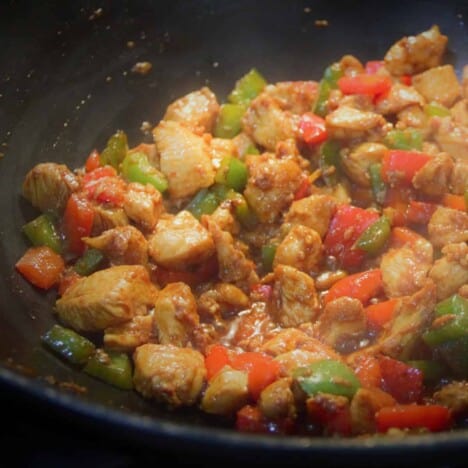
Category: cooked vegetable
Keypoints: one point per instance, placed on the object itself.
(89, 262)
(41, 266)
(136, 168)
(42, 231)
(68, 344)
(327, 376)
(228, 123)
(115, 150)
(247, 87)
(373, 239)
(111, 367)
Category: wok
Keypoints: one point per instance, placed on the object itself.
(66, 85)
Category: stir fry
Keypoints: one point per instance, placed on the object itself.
(291, 258)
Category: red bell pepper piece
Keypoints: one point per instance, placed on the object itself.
(103, 186)
(312, 128)
(402, 236)
(373, 66)
(333, 420)
(303, 189)
(216, 358)
(41, 266)
(363, 286)
(419, 212)
(347, 224)
(406, 80)
(432, 417)
(262, 370)
(456, 202)
(77, 222)
(403, 382)
(372, 85)
(400, 166)
(261, 292)
(93, 161)
(380, 313)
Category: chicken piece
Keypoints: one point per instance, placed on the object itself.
(267, 124)
(314, 212)
(465, 81)
(293, 299)
(348, 122)
(448, 226)
(364, 405)
(222, 301)
(291, 340)
(169, 374)
(342, 324)
(107, 298)
(414, 54)
(301, 248)
(271, 185)
(219, 149)
(143, 204)
(250, 329)
(185, 159)
(459, 177)
(175, 314)
(47, 186)
(454, 396)
(124, 245)
(107, 218)
(277, 400)
(356, 162)
(452, 138)
(297, 97)
(414, 117)
(412, 316)
(234, 266)
(129, 335)
(439, 84)
(227, 392)
(405, 269)
(460, 113)
(179, 241)
(399, 98)
(197, 110)
(433, 179)
(450, 272)
(224, 218)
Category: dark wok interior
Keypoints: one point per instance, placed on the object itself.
(66, 85)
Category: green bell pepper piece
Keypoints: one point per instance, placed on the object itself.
(378, 186)
(89, 262)
(204, 202)
(68, 344)
(432, 371)
(252, 149)
(229, 120)
(409, 139)
(328, 82)
(268, 252)
(115, 150)
(456, 326)
(136, 168)
(243, 212)
(232, 173)
(330, 156)
(434, 109)
(373, 239)
(247, 88)
(327, 376)
(41, 231)
(111, 367)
